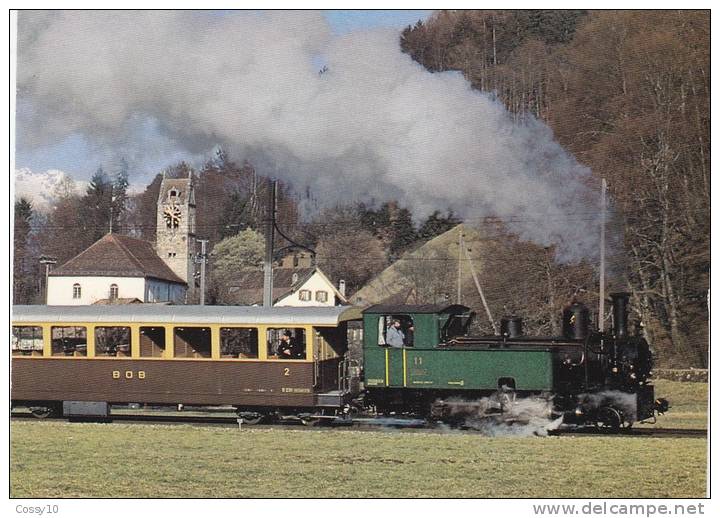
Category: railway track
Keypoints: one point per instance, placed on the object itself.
(406, 425)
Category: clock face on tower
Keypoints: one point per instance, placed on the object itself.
(172, 216)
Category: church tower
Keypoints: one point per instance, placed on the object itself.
(175, 236)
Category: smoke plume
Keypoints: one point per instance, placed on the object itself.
(373, 126)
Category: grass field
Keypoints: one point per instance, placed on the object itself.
(59, 459)
(688, 404)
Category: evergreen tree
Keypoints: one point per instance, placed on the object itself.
(96, 207)
(23, 286)
(391, 223)
(236, 214)
(119, 196)
(437, 224)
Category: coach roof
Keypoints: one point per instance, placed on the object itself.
(328, 316)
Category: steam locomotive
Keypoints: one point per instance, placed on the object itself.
(82, 360)
(585, 376)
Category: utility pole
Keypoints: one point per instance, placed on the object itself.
(202, 259)
(269, 244)
(112, 208)
(47, 261)
(601, 310)
(480, 291)
(461, 246)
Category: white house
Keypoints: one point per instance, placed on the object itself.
(115, 268)
(291, 287)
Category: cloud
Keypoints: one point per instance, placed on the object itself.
(376, 125)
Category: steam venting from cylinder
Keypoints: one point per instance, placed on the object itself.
(620, 314)
(511, 327)
(576, 320)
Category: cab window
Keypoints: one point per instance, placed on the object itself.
(457, 325)
(396, 331)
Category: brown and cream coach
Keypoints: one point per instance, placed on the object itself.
(78, 360)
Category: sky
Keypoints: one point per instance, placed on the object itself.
(80, 158)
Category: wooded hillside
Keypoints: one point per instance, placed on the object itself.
(628, 93)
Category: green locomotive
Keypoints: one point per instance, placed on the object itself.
(588, 377)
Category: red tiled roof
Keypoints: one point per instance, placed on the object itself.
(118, 256)
(117, 302)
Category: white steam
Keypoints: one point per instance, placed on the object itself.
(501, 415)
(374, 126)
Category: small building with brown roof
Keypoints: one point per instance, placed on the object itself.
(115, 267)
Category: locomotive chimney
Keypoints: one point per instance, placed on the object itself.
(620, 314)
(511, 327)
(576, 320)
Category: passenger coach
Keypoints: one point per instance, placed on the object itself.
(80, 359)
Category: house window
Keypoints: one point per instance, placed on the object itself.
(77, 291)
(321, 296)
(173, 193)
(305, 295)
(113, 291)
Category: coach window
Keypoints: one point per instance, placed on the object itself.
(192, 342)
(238, 342)
(406, 335)
(69, 341)
(152, 342)
(112, 341)
(286, 343)
(27, 341)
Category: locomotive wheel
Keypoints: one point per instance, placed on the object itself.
(42, 412)
(251, 418)
(609, 419)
